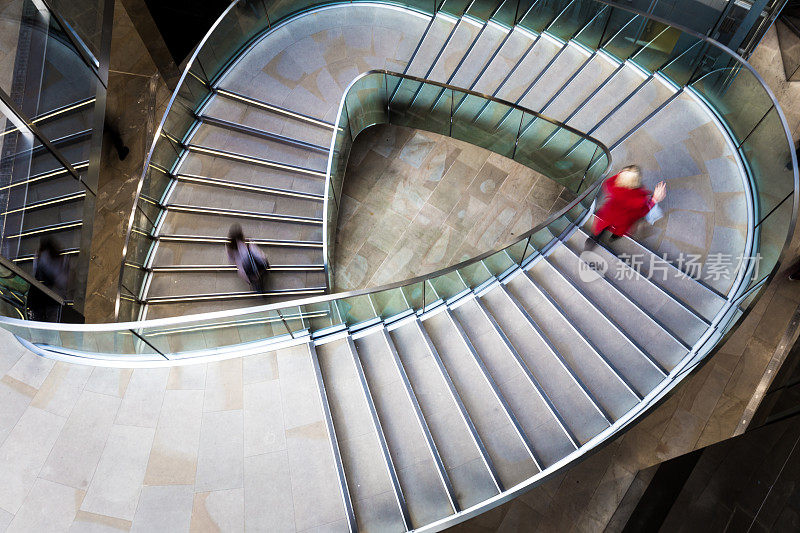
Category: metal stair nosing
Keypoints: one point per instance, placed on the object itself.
(450, 35)
(611, 322)
(466, 54)
(334, 443)
(456, 397)
(255, 132)
(646, 119)
(556, 354)
(204, 210)
(234, 156)
(571, 78)
(552, 98)
(57, 200)
(650, 282)
(229, 295)
(581, 105)
(495, 389)
(606, 282)
(51, 228)
(584, 338)
(224, 240)
(511, 71)
(444, 478)
(414, 54)
(232, 268)
(45, 175)
(672, 266)
(237, 185)
(232, 95)
(531, 377)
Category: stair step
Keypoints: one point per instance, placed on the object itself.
(249, 145)
(512, 51)
(558, 74)
(508, 452)
(269, 118)
(368, 480)
(191, 193)
(666, 349)
(432, 43)
(471, 479)
(602, 380)
(578, 411)
(604, 333)
(630, 281)
(218, 225)
(453, 53)
(426, 497)
(544, 431)
(198, 253)
(531, 66)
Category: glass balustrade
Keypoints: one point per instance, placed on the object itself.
(681, 57)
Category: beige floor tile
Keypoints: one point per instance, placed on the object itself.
(31, 369)
(76, 453)
(96, 523)
(164, 509)
(190, 377)
(224, 386)
(218, 511)
(268, 503)
(173, 458)
(111, 381)
(221, 454)
(263, 418)
(117, 482)
(48, 507)
(24, 452)
(62, 388)
(143, 396)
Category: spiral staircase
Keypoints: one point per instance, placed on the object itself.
(439, 398)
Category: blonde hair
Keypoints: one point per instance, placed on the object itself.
(630, 177)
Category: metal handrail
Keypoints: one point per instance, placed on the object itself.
(272, 24)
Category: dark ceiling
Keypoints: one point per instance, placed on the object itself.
(183, 23)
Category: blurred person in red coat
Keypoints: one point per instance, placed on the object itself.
(626, 202)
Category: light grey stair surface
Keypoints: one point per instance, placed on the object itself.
(417, 463)
(581, 87)
(629, 279)
(556, 76)
(526, 72)
(507, 445)
(603, 332)
(579, 412)
(601, 379)
(426, 414)
(665, 348)
(465, 466)
(513, 51)
(261, 116)
(432, 45)
(366, 470)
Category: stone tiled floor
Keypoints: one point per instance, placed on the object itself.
(415, 202)
(203, 447)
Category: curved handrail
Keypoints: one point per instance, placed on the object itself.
(582, 196)
(241, 49)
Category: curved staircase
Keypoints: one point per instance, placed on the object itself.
(430, 401)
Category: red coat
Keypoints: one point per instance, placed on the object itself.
(622, 207)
